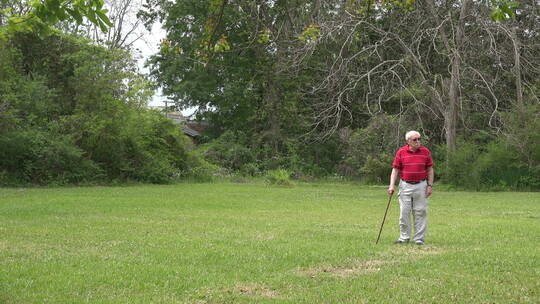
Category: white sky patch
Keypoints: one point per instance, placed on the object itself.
(145, 47)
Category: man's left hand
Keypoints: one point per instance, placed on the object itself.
(429, 190)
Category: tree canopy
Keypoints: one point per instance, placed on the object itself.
(307, 71)
(17, 15)
(315, 88)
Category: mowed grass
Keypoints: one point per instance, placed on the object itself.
(252, 243)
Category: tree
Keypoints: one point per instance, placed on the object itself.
(295, 72)
(126, 28)
(19, 15)
(230, 61)
(388, 57)
(74, 112)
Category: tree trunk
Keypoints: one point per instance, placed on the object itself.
(272, 108)
(517, 70)
(451, 116)
(453, 49)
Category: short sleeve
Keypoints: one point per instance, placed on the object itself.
(397, 161)
(429, 159)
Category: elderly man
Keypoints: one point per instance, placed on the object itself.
(414, 164)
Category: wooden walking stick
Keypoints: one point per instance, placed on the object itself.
(384, 218)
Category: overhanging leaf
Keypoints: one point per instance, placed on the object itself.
(75, 14)
(103, 17)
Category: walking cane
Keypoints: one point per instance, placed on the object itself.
(384, 218)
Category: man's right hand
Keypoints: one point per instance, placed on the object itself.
(391, 190)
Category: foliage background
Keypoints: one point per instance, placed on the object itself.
(289, 89)
(74, 112)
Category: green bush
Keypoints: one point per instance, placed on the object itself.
(230, 151)
(494, 166)
(200, 170)
(369, 151)
(458, 169)
(499, 168)
(531, 181)
(377, 169)
(76, 113)
(34, 156)
(250, 169)
(279, 177)
(309, 160)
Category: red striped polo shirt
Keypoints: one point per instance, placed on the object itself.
(413, 165)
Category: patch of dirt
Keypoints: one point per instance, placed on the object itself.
(264, 237)
(410, 252)
(257, 290)
(396, 255)
(355, 267)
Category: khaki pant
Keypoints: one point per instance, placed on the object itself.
(412, 198)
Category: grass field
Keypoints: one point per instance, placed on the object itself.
(252, 243)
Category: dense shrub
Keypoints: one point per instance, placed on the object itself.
(494, 166)
(522, 133)
(230, 151)
(75, 112)
(457, 170)
(510, 161)
(376, 169)
(200, 170)
(309, 160)
(34, 156)
(239, 153)
(279, 177)
(369, 151)
(138, 145)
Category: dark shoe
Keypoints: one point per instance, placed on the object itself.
(400, 241)
(419, 242)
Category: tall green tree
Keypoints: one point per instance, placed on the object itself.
(75, 112)
(284, 70)
(230, 60)
(21, 15)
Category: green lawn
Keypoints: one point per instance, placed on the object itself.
(252, 243)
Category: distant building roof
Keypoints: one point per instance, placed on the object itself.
(189, 128)
(177, 117)
(190, 132)
(156, 107)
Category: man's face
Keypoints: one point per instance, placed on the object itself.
(414, 142)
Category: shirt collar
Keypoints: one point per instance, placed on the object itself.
(410, 150)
